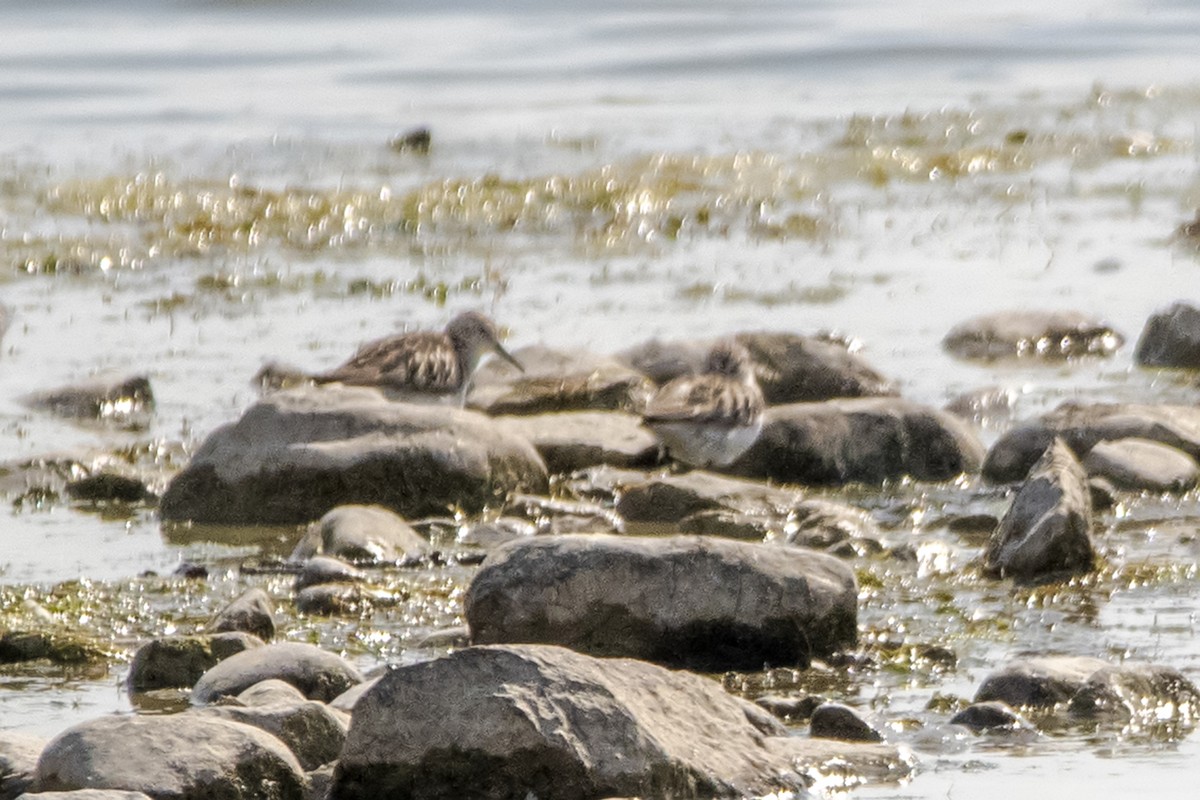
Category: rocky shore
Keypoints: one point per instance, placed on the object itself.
(629, 626)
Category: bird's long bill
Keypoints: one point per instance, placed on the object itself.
(507, 356)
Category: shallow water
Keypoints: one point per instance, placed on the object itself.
(189, 189)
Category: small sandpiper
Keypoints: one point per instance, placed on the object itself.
(710, 418)
(424, 365)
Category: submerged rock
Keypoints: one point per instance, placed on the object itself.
(319, 674)
(517, 721)
(323, 569)
(556, 380)
(180, 756)
(297, 454)
(789, 368)
(860, 441)
(575, 440)
(1142, 465)
(359, 533)
(990, 716)
(699, 602)
(1082, 426)
(1047, 529)
(126, 400)
(1171, 338)
(1048, 335)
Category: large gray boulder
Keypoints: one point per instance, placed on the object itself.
(319, 674)
(1048, 528)
(556, 380)
(866, 440)
(1048, 335)
(1171, 338)
(296, 454)
(700, 602)
(574, 440)
(361, 534)
(790, 368)
(540, 721)
(118, 399)
(178, 756)
(1083, 425)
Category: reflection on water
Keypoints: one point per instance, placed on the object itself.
(209, 185)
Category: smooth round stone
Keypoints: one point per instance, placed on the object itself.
(836, 721)
(1142, 465)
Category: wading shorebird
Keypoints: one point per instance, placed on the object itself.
(424, 365)
(710, 418)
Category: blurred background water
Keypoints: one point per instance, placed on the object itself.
(188, 189)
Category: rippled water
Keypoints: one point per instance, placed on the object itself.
(188, 189)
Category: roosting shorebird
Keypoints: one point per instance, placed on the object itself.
(710, 418)
(421, 366)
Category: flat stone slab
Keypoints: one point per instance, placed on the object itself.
(574, 440)
(701, 602)
(536, 720)
(1084, 425)
(867, 440)
(1044, 335)
(1142, 465)
(299, 453)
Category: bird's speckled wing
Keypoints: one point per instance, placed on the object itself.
(416, 361)
(705, 398)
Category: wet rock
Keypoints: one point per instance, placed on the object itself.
(491, 532)
(790, 708)
(992, 715)
(545, 721)
(181, 756)
(1171, 338)
(322, 569)
(1047, 529)
(271, 692)
(1103, 493)
(559, 515)
(1149, 693)
(665, 497)
(458, 636)
(1038, 682)
(557, 380)
(297, 454)
(320, 675)
(1142, 465)
(789, 368)
(1083, 426)
(58, 647)
(987, 407)
(731, 525)
(252, 611)
(860, 441)
(821, 524)
(1047, 335)
(126, 401)
(330, 599)
(418, 140)
(575, 440)
(110, 486)
(179, 661)
(87, 794)
(311, 730)
(18, 758)
(709, 604)
(837, 721)
(357, 533)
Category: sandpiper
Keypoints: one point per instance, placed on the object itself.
(424, 364)
(710, 418)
